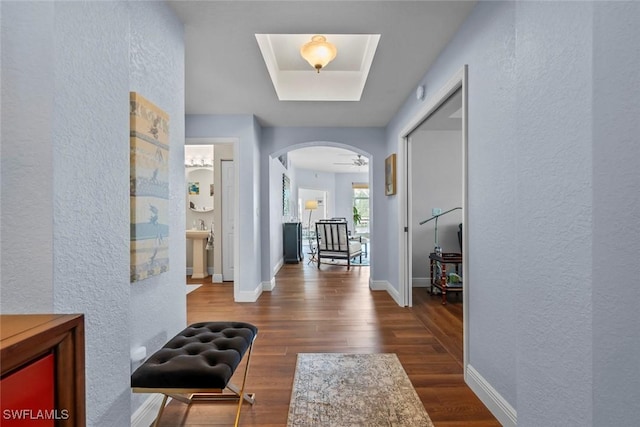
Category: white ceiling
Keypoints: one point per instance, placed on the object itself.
(327, 159)
(226, 74)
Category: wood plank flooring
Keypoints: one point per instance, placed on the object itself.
(331, 311)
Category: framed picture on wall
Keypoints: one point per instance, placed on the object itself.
(286, 195)
(149, 188)
(390, 175)
(194, 188)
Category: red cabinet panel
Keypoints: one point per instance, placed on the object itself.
(27, 395)
(42, 370)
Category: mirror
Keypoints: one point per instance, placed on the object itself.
(200, 189)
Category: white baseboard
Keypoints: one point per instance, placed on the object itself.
(384, 285)
(217, 278)
(278, 266)
(270, 285)
(146, 414)
(378, 285)
(249, 296)
(499, 407)
(421, 282)
(209, 271)
(394, 294)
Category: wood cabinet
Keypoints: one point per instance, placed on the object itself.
(292, 241)
(42, 379)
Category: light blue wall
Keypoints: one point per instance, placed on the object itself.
(26, 175)
(616, 214)
(315, 180)
(247, 131)
(554, 83)
(275, 210)
(70, 66)
(156, 54)
(90, 232)
(553, 128)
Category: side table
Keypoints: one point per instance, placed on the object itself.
(438, 272)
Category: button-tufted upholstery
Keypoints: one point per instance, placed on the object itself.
(204, 355)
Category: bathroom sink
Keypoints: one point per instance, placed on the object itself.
(199, 238)
(197, 234)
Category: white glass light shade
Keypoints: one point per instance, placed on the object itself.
(318, 52)
(311, 204)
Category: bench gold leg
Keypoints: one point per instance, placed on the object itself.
(164, 402)
(189, 395)
(242, 394)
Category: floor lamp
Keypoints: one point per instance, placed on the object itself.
(312, 205)
(437, 249)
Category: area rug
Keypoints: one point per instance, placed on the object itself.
(355, 261)
(191, 288)
(349, 390)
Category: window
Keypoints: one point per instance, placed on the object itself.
(361, 207)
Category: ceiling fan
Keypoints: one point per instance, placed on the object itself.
(358, 161)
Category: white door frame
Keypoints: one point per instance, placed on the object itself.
(457, 81)
(228, 220)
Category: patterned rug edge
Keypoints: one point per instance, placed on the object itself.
(341, 389)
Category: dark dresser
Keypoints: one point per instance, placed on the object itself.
(292, 242)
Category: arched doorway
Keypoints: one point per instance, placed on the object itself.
(332, 177)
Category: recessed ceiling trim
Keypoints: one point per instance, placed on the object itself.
(266, 47)
(343, 79)
(370, 51)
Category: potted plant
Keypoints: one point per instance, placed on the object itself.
(357, 219)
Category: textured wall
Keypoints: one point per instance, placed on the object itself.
(616, 214)
(91, 221)
(65, 105)
(553, 152)
(157, 305)
(486, 42)
(26, 204)
(554, 235)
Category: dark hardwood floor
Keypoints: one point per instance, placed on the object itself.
(331, 311)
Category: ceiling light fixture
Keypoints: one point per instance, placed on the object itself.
(318, 52)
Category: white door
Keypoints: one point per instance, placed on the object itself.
(228, 218)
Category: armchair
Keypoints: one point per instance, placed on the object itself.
(333, 242)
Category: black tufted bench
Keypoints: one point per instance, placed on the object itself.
(199, 362)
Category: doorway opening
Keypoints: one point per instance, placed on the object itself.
(219, 210)
(433, 149)
(435, 178)
(199, 176)
(323, 176)
(312, 206)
